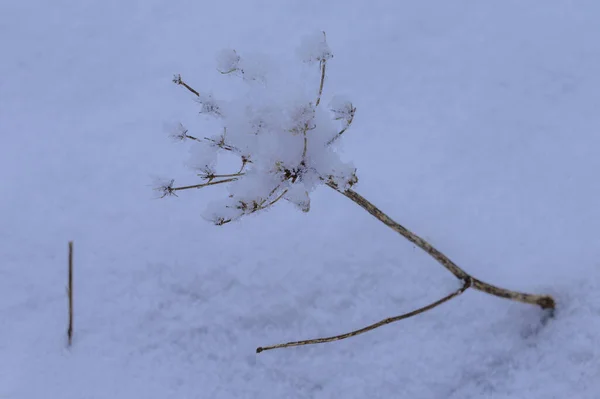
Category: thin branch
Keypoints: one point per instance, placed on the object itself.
(337, 136)
(466, 285)
(187, 136)
(544, 301)
(284, 192)
(305, 147)
(323, 65)
(169, 190)
(210, 176)
(273, 191)
(323, 68)
(260, 207)
(212, 183)
(178, 81)
(70, 293)
(244, 162)
(221, 144)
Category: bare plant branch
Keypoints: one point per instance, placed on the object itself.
(305, 149)
(178, 81)
(168, 189)
(543, 301)
(348, 124)
(323, 65)
(221, 144)
(244, 162)
(280, 196)
(210, 176)
(253, 208)
(212, 183)
(70, 294)
(187, 136)
(466, 285)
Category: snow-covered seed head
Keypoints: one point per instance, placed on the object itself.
(178, 132)
(279, 132)
(228, 61)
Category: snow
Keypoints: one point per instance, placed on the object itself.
(476, 126)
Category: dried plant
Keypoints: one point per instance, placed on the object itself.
(284, 140)
(70, 296)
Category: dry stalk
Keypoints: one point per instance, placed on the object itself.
(543, 301)
(70, 294)
(178, 81)
(389, 320)
(212, 183)
(348, 124)
(323, 69)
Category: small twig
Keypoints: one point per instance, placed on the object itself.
(323, 67)
(284, 192)
(467, 283)
(187, 136)
(305, 149)
(210, 176)
(178, 81)
(543, 301)
(221, 144)
(212, 183)
(273, 191)
(244, 162)
(70, 294)
(337, 136)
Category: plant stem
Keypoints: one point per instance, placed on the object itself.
(389, 320)
(322, 82)
(544, 301)
(70, 293)
(212, 183)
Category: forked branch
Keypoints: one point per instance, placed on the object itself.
(543, 301)
(348, 124)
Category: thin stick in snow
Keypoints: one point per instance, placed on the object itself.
(70, 294)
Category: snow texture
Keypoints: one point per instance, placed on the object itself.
(476, 126)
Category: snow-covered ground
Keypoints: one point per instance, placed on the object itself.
(477, 126)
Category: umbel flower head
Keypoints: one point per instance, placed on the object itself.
(279, 131)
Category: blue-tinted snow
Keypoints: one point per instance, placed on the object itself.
(477, 126)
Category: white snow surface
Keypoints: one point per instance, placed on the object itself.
(477, 126)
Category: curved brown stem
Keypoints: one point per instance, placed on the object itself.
(467, 283)
(544, 301)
